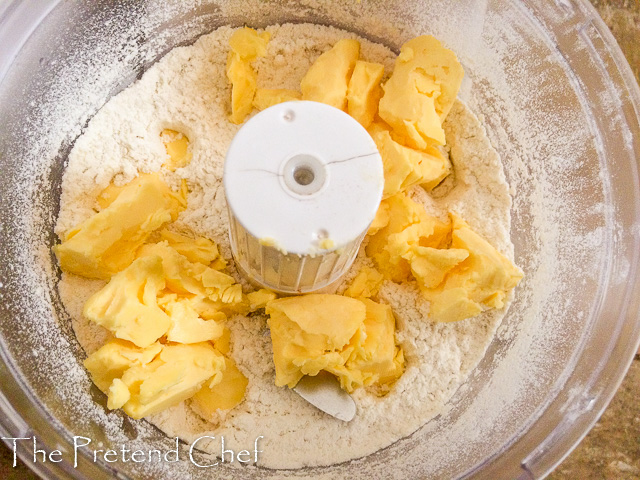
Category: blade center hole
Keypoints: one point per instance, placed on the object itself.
(303, 175)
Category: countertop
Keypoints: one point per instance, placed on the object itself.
(612, 449)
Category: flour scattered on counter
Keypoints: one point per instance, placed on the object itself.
(187, 91)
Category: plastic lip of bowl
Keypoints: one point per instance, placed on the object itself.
(565, 418)
(581, 410)
(18, 20)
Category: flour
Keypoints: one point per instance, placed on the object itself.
(188, 91)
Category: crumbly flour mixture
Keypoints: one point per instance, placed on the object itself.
(188, 91)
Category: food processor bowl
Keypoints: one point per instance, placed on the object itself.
(561, 107)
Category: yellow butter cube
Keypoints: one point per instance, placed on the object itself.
(127, 306)
(451, 304)
(265, 97)
(229, 301)
(220, 286)
(109, 194)
(458, 271)
(364, 92)
(366, 283)
(182, 275)
(222, 396)
(212, 310)
(405, 167)
(411, 114)
(187, 326)
(430, 265)
(327, 81)
(185, 277)
(243, 80)
(480, 281)
(333, 318)
(378, 357)
(246, 45)
(118, 394)
(260, 298)
(106, 243)
(223, 343)
(494, 272)
(200, 249)
(441, 66)
(420, 92)
(381, 219)
(177, 146)
(219, 263)
(116, 356)
(309, 332)
(175, 375)
(408, 225)
(433, 167)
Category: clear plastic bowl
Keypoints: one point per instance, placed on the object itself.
(561, 106)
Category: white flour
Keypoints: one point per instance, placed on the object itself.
(188, 91)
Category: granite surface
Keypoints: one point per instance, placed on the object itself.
(612, 449)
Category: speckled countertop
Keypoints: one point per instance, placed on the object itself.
(612, 449)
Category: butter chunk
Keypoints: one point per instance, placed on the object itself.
(493, 273)
(409, 225)
(223, 343)
(433, 168)
(176, 374)
(458, 272)
(117, 395)
(309, 332)
(187, 326)
(479, 282)
(265, 97)
(246, 45)
(405, 167)
(200, 249)
(430, 265)
(327, 80)
(364, 92)
(451, 304)
(185, 277)
(244, 304)
(217, 310)
(217, 290)
(260, 298)
(222, 396)
(420, 92)
(177, 147)
(127, 306)
(381, 219)
(244, 82)
(116, 356)
(442, 70)
(377, 357)
(365, 284)
(106, 243)
(109, 194)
